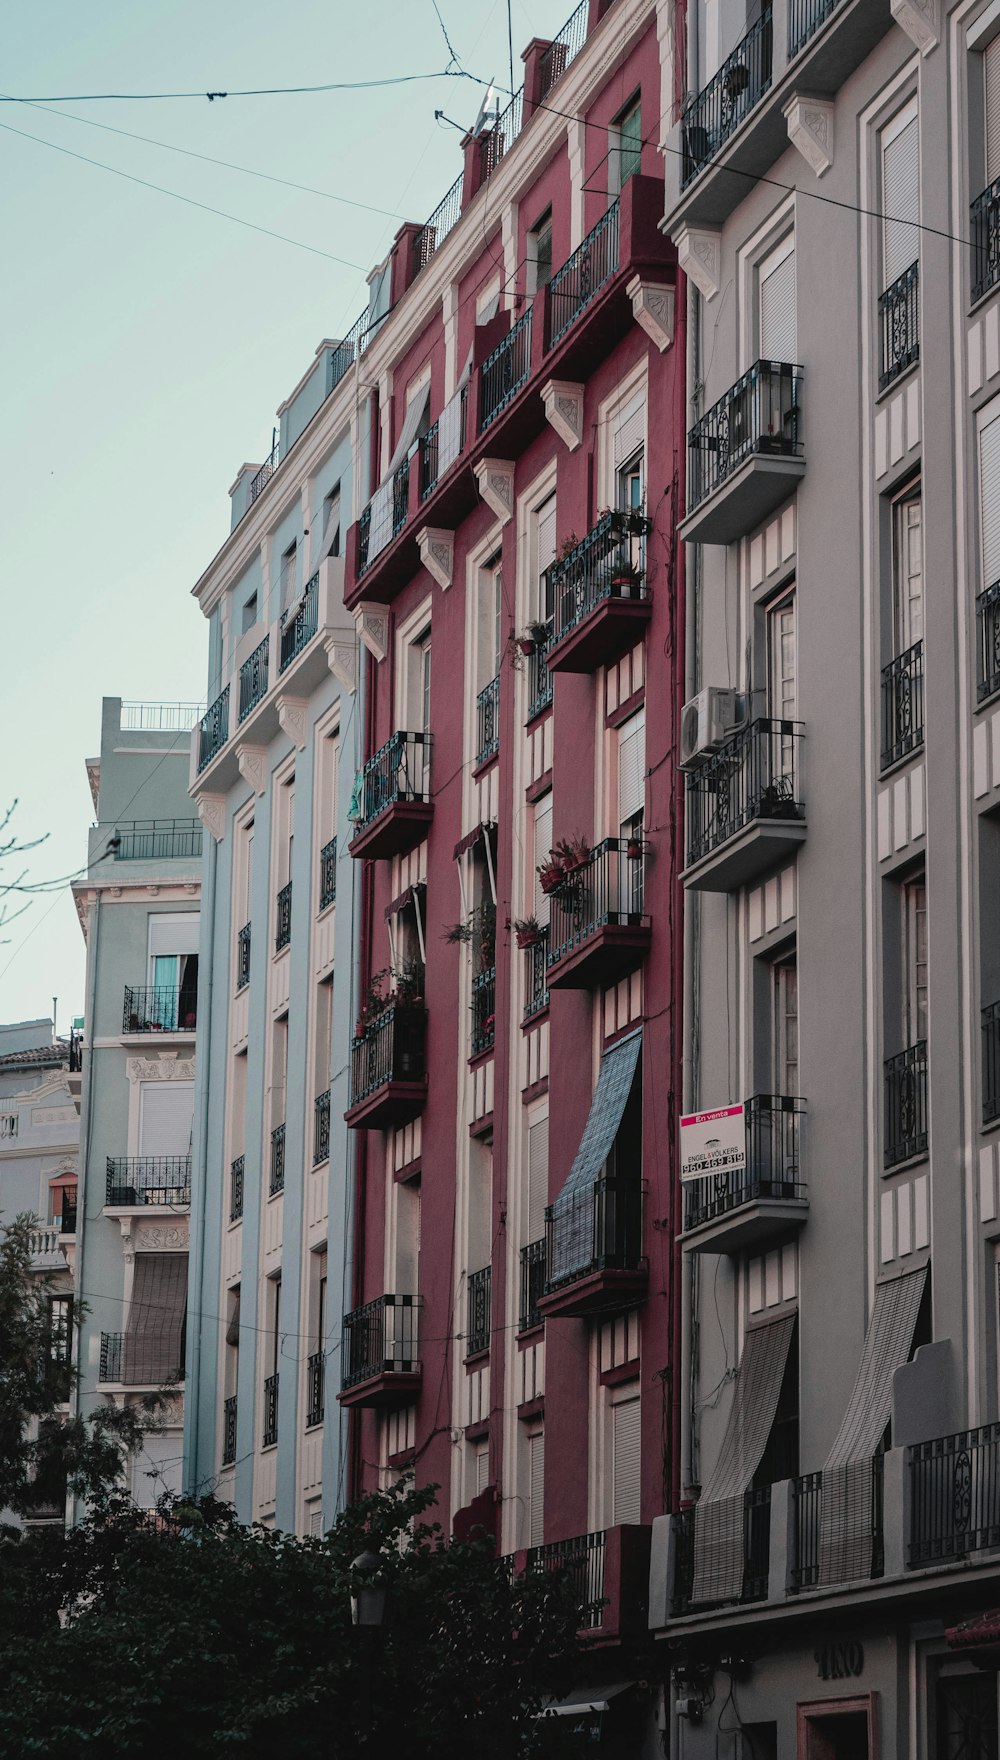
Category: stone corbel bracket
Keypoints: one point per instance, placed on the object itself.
(495, 477)
(437, 553)
(293, 719)
(562, 401)
(699, 253)
(212, 813)
(810, 130)
(341, 657)
(921, 20)
(372, 623)
(653, 310)
(252, 763)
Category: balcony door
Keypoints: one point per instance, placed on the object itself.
(785, 1026)
(914, 963)
(907, 571)
(776, 304)
(782, 689)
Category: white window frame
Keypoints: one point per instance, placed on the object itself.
(751, 256)
(767, 265)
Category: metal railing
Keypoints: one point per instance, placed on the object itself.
(237, 1173)
(539, 676)
(991, 1062)
(148, 840)
(75, 1052)
(478, 1316)
(283, 918)
(496, 143)
(583, 1561)
(399, 771)
(229, 1430)
(276, 1182)
(899, 326)
(503, 372)
(321, 1129)
(213, 730)
(269, 1435)
(606, 889)
(536, 970)
(243, 957)
(906, 1104)
(532, 1284)
(583, 274)
(159, 717)
(430, 445)
(159, 1008)
(804, 19)
(756, 1551)
(265, 473)
(986, 241)
(111, 1356)
(954, 1495)
(435, 230)
(488, 721)
(397, 519)
(67, 1216)
(753, 776)
(381, 1338)
(564, 48)
(328, 874)
(390, 1049)
(988, 642)
(598, 1228)
(757, 418)
(484, 1001)
(148, 1179)
(709, 118)
(903, 705)
(773, 1145)
(807, 1502)
(253, 679)
(300, 629)
(315, 1382)
(606, 564)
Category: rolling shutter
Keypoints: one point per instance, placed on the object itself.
(536, 1488)
(991, 68)
(166, 1111)
(777, 305)
(625, 1461)
(632, 767)
(543, 843)
(571, 1239)
(482, 1468)
(900, 197)
(629, 430)
(989, 499)
(154, 1336)
(538, 1177)
(174, 935)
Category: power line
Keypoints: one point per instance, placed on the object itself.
(352, 85)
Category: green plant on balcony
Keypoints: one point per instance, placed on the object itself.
(478, 930)
(528, 931)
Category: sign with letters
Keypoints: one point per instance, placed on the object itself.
(713, 1143)
(838, 1662)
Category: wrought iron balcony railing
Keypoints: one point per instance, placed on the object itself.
(328, 874)
(438, 451)
(253, 679)
(153, 840)
(954, 1495)
(300, 629)
(606, 564)
(988, 643)
(269, 1435)
(488, 721)
(807, 1498)
(606, 889)
(756, 1551)
(564, 48)
(265, 473)
(583, 274)
(67, 1215)
(243, 957)
(283, 918)
(399, 771)
(503, 372)
(773, 1139)
(532, 1284)
(389, 513)
(596, 1229)
(536, 967)
(445, 216)
(753, 776)
(804, 19)
(389, 1049)
(903, 705)
(380, 1338)
(213, 730)
(991, 1063)
(315, 1382)
(710, 118)
(986, 241)
(321, 1129)
(539, 676)
(583, 1561)
(484, 994)
(478, 1317)
(494, 144)
(111, 1356)
(149, 1179)
(229, 1430)
(160, 1008)
(906, 1104)
(236, 1180)
(899, 326)
(758, 418)
(276, 1183)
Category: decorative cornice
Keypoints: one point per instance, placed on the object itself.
(437, 553)
(372, 624)
(495, 477)
(699, 253)
(653, 310)
(562, 401)
(252, 764)
(160, 1069)
(810, 129)
(921, 20)
(293, 719)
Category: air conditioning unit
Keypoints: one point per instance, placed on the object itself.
(707, 722)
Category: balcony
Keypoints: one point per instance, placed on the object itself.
(906, 1104)
(253, 679)
(158, 840)
(229, 1430)
(110, 1370)
(388, 1069)
(478, 1315)
(745, 455)
(276, 1180)
(710, 118)
(65, 1220)
(597, 930)
(213, 730)
(392, 808)
(125, 1362)
(583, 274)
(582, 1560)
(743, 807)
(269, 1434)
(149, 1181)
(532, 1285)
(380, 1353)
(505, 371)
(985, 241)
(536, 966)
(756, 1552)
(300, 629)
(321, 1129)
(899, 327)
(609, 1570)
(383, 519)
(757, 1205)
(328, 874)
(539, 676)
(160, 1008)
(283, 918)
(954, 1496)
(991, 1062)
(601, 596)
(315, 1382)
(596, 1234)
(806, 1564)
(988, 643)
(488, 722)
(243, 957)
(43, 1246)
(237, 1176)
(903, 706)
(484, 1001)
(805, 18)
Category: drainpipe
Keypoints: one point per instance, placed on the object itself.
(196, 1225)
(678, 950)
(88, 1023)
(363, 929)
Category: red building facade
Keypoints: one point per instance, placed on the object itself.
(515, 1067)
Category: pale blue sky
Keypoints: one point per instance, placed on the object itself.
(145, 345)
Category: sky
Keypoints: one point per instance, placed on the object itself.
(146, 343)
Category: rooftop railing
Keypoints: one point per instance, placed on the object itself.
(755, 775)
(300, 629)
(494, 144)
(149, 1179)
(906, 1104)
(503, 372)
(381, 1337)
(718, 109)
(213, 730)
(435, 230)
(159, 717)
(773, 1146)
(583, 274)
(253, 679)
(564, 48)
(264, 475)
(151, 840)
(758, 417)
(398, 771)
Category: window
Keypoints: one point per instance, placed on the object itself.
(907, 570)
(407, 1255)
(166, 1113)
(318, 1267)
(538, 1179)
(914, 961)
(900, 195)
(539, 265)
(248, 616)
(989, 497)
(631, 775)
(966, 1716)
(173, 970)
(61, 1328)
(625, 147)
(785, 1026)
(279, 1071)
(625, 1455)
(536, 1487)
(274, 1324)
(545, 529)
(776, 303)
(489, 617)
(407, 945)
(542, 842)
(330, 543)
(288, 577)
(781, 658)
(417, 683)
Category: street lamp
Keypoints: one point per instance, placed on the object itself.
(368, 1599)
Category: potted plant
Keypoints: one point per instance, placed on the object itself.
(635, 847)
(567, 547)
(460, 932)
(528, 931)
(736, 79)
(532, 638)
(617, 519)
(551, 873)
(637, 522)
(625, 577)
(573, 853)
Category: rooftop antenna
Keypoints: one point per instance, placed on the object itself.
(489, 112)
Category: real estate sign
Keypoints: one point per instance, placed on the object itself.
(713, 1142)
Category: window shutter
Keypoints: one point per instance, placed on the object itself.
(900, 201)
(543, 843)
(536, 1488)
(777, 307)
(166, 1110)
(629, 430)
(989, 499)
(632, 767)
(547, 533)
(538, 1177)
(482, 1468)
(991, 65)
(625, 1461)
(178, 934)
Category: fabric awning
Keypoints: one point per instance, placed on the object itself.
(718, 1516)
(584, 1700)
(414, 423)
(154, 1335)
(572, 1213)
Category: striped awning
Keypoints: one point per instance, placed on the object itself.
(572, 1213)
(154, 1335)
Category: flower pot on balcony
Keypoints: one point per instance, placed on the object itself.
(635, 849)
(737, 79)
(551, 875)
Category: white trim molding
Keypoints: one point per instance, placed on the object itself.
(562, 400)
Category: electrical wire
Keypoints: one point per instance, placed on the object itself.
(351, 85)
